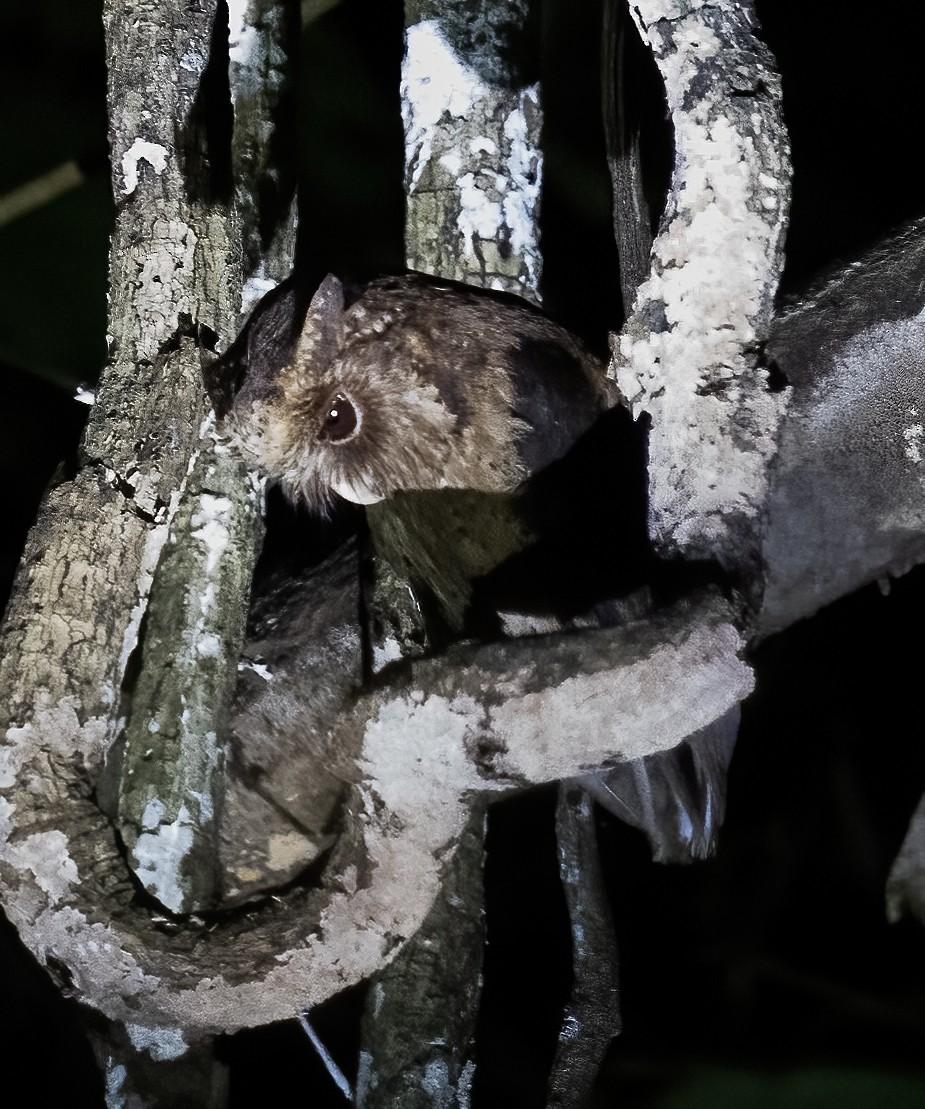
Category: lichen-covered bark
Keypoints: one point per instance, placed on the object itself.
(77, 611)
(472, 153)
(93, 560)
(167, 771)
(453, 726)
(145, 1070)
(621, 104)
(541, 708)
(417, 1029)
(263, 51)
(689, 354)
(147, 463)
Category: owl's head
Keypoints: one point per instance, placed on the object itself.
(413, 385)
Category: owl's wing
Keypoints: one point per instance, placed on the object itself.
(559, 392)
(677, 797)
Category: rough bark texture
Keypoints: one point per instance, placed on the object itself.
(156, 507)
(688, 355)
(93, 555)
(418, 1026)
(621, 105)
(165, 775)
(472, 183)
(263, 52)
(472, 155)
(85, 589)
(149, 1070)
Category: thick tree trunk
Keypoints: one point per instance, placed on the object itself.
(689, 355)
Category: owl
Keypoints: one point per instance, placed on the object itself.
(497, 475)
(445, 410)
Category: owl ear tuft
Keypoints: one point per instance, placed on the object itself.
(323, 331)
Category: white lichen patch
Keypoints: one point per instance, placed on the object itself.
(46, 855)
(480, 217)
(525, 173)
(386, 651)
(489, 182)
(7, 808)
(286, 849)
(153, 814)
(517, 624)
(913, 436)
(257, 60)
(102, 969)
(53, 727)
(243, 39)
(193, 61)
(208, 646)
(255, 288)
(202, 798)
(570, 1030)
(151, 152)
(415, 755)
(160, 1043)
(116, 1074)
(159, 856)
(714, 267)
(210, 529)
(436, 1082)
(434, 82)
(482, 144)
(259, 668)
(464, 1088)
(625, 713)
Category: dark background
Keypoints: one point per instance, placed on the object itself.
(766, 977)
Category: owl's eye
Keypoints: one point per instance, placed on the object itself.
(340, 419)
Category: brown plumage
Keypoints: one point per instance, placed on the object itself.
(408, 388)
(414, 384)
